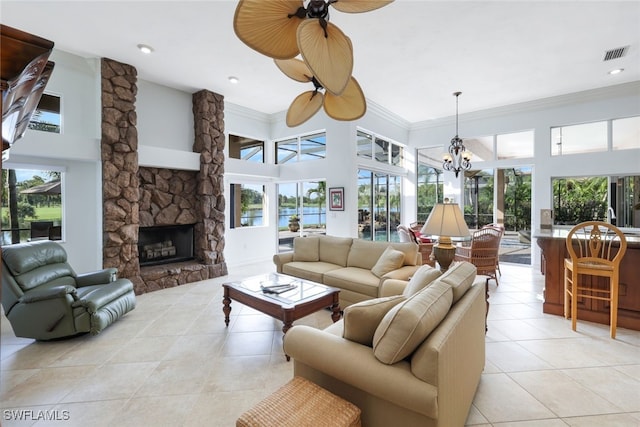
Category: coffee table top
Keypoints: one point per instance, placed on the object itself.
(300, 289)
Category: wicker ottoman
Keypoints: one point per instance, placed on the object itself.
(301, 403)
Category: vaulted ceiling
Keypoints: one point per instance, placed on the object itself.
(410, 56)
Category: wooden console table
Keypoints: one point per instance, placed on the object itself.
(554, 251)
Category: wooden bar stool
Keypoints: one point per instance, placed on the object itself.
(595, 249)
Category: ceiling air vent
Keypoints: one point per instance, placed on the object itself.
(615, 53)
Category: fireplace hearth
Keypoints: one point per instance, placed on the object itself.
(165, 244)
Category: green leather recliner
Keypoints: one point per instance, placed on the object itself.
(43, 297)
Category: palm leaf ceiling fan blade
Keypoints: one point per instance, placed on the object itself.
(265, 26)
(351, 105)
(304, 107)
(357, 6)
(295, 69)
(330, 58)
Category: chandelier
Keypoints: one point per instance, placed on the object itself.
(458, 157)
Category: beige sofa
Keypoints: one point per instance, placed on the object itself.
(409, 360)
(358, 267)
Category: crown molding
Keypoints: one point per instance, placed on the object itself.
(380, 111)
(631, 88)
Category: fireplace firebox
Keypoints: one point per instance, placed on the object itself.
(165, 244)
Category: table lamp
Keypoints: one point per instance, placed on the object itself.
(445, 221)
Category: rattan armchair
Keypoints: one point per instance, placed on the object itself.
(483, 251)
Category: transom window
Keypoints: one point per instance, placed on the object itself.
(302, 148)
(370, 146)
(594, 137)
(243, 148)
(47, 116)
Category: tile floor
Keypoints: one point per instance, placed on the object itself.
(172, 362)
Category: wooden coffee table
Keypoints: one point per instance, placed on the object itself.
(304, 298)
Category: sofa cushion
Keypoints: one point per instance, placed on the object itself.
(364, 253)
(353, 279)
(390, 260)
(334, 250)
(306, 249)
(313, 271)
(421, 279)
(362, 319)
(407, 324)
(460, 277)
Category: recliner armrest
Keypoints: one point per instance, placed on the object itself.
(48, 294)
(106, 275)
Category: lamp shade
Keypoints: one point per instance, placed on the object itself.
(446, 219)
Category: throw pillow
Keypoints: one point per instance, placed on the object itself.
(362, 319)
(306, 249)
(389, 260)
(422, 278)
(407, 325)
(460, 277)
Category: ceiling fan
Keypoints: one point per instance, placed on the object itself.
(350, 105)
(282, 29)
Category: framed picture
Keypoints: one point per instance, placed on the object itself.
(336, 198)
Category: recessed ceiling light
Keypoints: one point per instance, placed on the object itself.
(233, 80)
(616, 71)
(146, 49)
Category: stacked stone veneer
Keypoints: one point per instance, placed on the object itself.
(135, 197)
(167, 197)
(120, 187)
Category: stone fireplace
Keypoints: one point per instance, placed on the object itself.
(138, 199)
(165, 244)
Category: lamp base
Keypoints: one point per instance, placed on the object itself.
(444, 252)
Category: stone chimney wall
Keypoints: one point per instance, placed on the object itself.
(120, 187)
(135, 196)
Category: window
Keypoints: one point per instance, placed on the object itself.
(514, 145)
(309, 147)
(579, 199)
(615, 199)
(430, 185)
(301, 211)
(626, 133)
(247, 205)
(379, 205)
(480, 147)
(287, 151)
(46, 117)
(31, 205)
(584, 138)
(515, 204)
(248, 149)
(364, 141)
(313, 147)
(478, 198)
(501, 146)
(383, 151)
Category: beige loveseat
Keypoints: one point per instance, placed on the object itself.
(358, 267)
(409, 360)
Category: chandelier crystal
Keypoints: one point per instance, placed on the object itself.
(458, 158)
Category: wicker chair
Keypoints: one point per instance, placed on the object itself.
(501, 228)
(483, 251)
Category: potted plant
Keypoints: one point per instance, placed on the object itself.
(294, 223)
